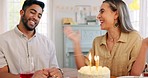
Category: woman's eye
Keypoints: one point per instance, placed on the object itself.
(101, 11)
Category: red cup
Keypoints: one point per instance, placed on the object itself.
(26, 75)
(145, 74)
(27, 67)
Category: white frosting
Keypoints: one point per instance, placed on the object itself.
(88, 71)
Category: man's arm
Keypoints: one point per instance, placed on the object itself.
(4, 73)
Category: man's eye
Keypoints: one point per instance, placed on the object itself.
(32, 12)
(39, 16)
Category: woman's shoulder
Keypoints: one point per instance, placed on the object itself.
(99, 38)
(134, 34)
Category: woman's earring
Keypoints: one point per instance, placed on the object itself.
(116, 25)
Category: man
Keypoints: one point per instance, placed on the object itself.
(24, 42)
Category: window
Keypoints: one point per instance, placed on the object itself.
(14, 16)
(134, 8)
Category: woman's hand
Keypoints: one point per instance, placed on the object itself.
(73, 35)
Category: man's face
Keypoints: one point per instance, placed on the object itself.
(31, 17)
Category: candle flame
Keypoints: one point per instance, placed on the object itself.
(96, 58)
(89, 57)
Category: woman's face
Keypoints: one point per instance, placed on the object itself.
(106, 17)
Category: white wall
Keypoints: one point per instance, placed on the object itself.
(62, 8)
(65, 8)
(3, 16)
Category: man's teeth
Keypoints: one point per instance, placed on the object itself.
(32, 22)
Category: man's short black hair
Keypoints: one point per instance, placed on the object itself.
(28, 3)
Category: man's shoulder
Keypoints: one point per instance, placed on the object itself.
(6, 37)
(7, 34)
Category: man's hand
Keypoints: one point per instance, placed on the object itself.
(51, 72)
(55, 72)
(41, 74)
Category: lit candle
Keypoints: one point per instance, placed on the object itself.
(89, 59)
(97, 61)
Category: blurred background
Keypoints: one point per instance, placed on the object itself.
(80, 14)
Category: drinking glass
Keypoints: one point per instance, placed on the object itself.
(27, 67)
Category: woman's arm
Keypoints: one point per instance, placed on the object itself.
(75, 37)
(139, 64)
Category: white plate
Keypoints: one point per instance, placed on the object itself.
(131, 77)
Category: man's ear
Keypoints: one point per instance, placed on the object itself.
(21, 12)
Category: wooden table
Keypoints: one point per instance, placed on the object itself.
(72, 73)
(112, 77)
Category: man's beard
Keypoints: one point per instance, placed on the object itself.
(25, 22)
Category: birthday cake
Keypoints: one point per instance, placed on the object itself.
(94, 72)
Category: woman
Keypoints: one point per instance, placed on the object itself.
(119, 47)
